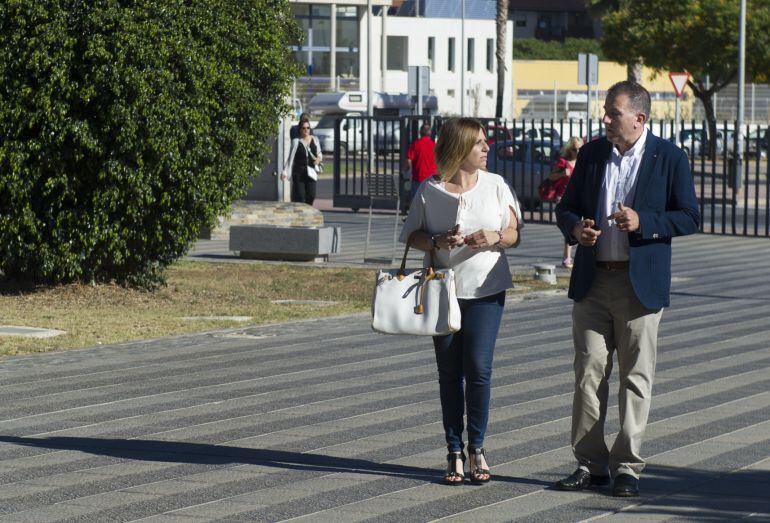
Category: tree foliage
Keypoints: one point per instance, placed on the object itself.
(697, 36)
(534, 49)
(125, 125)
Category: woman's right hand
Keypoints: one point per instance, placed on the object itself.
(449, 240)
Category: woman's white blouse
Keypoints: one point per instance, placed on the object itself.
(480, 272)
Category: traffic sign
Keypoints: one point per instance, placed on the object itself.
(679, 80)
(588, 69)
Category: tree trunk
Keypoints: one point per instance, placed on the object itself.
(634, 71)
(501, 21)
(711, 118)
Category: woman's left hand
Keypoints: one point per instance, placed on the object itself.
(482, 238)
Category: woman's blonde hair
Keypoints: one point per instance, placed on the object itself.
(456, 139)
(570, 149)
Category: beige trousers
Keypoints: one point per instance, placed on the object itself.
(610, 319)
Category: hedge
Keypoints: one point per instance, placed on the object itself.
(126, 125)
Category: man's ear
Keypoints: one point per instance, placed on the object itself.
(641, 119)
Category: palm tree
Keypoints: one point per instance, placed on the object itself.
(501, 21)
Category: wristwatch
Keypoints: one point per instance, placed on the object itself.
(435, 243)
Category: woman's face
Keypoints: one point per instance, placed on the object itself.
(304, 129)
(477, 158)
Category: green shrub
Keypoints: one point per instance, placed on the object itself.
(126, 125)
(534, 49)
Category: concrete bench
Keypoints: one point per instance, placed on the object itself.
(268, 242)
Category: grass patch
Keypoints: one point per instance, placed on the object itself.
(103, 314)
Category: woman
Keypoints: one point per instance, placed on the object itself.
(471, 241)
(559, 178)
(304, 159)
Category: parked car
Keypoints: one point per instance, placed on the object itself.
(495, 132)
(524, 164)
(692, 141)
(758, 142)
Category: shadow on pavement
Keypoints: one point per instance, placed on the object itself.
(211, 454)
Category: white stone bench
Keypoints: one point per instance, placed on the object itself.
(269, 242)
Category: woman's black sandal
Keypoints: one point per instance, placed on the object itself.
(452, 477)
(477, 474)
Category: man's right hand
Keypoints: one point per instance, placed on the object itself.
(584, 234)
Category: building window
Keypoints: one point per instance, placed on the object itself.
(451, 55)
(450, 93)
(490, 55)
(521, 22)
(432, 53)
(397, 53)
(490, 93)
(471, 51)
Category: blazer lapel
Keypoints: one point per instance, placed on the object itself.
(647, 168)
(598, 168)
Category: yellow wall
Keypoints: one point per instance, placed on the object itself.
(541, 74)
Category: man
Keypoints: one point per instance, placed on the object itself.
(629, 194)
(420, 159)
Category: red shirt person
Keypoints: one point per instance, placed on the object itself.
(421, 159)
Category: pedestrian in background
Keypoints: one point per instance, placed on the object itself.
(294, 129)
(466, 217)
(558, 180)
(421, 159)
(304, 158)
(630, 193)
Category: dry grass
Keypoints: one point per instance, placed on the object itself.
(102, 314)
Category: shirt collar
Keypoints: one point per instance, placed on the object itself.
(635, 150)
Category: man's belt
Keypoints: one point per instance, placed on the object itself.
(613, 265)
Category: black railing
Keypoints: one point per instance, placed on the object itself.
(734, 199)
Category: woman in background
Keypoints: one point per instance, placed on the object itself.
(304, 159)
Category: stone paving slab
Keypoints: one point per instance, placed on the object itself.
(325, 420)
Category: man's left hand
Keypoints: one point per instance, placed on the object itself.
(626, 218)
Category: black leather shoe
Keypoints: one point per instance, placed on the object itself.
(626, 486)
(582, 480)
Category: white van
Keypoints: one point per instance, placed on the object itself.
(351, 105)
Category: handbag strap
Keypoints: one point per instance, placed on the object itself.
(428, 274)
(402, 270)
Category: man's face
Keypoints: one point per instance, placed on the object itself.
(621, 122)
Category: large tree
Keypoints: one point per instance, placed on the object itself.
(697, 36)
(599, 8)
(501, 21)
(126, 125)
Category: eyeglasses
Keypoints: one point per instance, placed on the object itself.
(305, 127)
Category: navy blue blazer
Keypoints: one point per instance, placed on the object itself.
(667, 207)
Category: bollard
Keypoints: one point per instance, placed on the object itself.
(545, 273)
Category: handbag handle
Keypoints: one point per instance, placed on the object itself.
(430, 272)
(401, 274)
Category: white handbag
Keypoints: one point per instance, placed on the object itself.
(421, 302)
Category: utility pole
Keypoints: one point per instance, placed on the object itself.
(741, 96)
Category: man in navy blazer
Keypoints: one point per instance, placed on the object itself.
(629, 194)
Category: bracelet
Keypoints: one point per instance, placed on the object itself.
(500, 236)
(435, 243)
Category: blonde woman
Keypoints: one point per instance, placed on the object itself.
(467, 217)
(559, 178)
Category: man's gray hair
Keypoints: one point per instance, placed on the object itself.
(638, 96)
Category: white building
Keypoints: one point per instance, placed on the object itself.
(433, 40)
(436, 42)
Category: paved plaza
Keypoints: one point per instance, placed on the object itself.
(326, 421)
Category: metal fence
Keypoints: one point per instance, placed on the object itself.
(734, 198)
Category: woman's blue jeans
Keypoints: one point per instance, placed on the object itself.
(465, 370)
